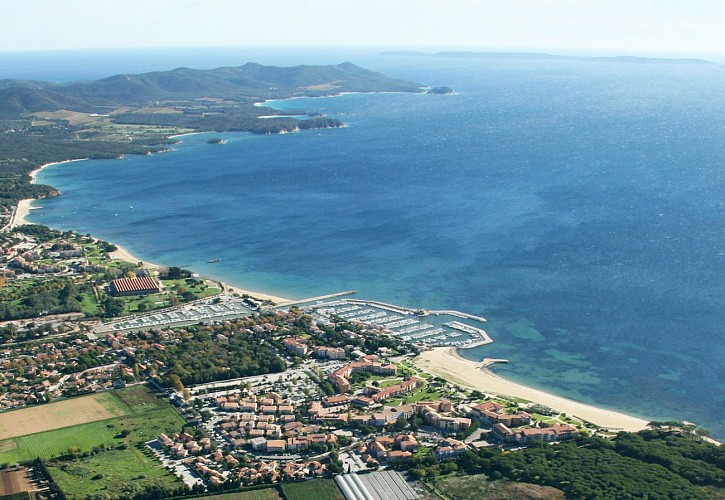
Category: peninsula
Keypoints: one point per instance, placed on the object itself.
(45, 122)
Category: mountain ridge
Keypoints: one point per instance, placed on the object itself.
(246, 83)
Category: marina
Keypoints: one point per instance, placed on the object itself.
(185, 315)
(420, 326)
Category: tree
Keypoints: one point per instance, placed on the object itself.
(113, 306)
(175, 381)
(174, 273)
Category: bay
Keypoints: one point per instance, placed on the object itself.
(576, 205)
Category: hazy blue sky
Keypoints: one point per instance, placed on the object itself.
(631, 26)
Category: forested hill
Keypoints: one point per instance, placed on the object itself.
(43, 122)
(243, 83)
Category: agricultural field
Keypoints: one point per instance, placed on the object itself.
(263, 494)
(478, 486)
(137, 417)
(318, 489)
(117, 445)
(16, 483)
(55, 443)
(60, 414)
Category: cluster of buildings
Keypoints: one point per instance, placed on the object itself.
(434, 413)
(298, 346)
(388, 448)
(495, 413)
(374, 395)
(184, 444)
(437, 414)
(271, 471)
(267, 425)
(218, 466)
(367, 363)
(23, 253)
(449, 447)
(39, 372)
(556, 432)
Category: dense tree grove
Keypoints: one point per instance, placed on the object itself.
(649, 464)
(22, 152)
(49, 297)
(201, 357)
(39, 232)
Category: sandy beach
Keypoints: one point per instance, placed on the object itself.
(20, 214)
(123, 254)
(23, 210)
(445, 362)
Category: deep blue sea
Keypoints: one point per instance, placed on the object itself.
(576, 205)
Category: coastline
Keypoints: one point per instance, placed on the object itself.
(124, 254)
(20, 214)
(445, 362)
(22, 210)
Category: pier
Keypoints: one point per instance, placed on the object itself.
(459, 314)
(457, 325)
(315, 299)
(381, 305)
(491, 361)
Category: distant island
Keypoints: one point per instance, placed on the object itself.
(45, 122)
(440, 90)
(548, 57)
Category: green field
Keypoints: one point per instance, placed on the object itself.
(56, 443)
(317, 489)
(119, 472)
(270, 493)
(120, 463)
(161, 300)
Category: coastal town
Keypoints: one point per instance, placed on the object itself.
(347, 395)
(121, 378)
(238, 391)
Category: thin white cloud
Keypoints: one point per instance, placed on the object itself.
(634, 25)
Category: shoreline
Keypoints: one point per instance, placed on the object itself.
(447, 363)
(23, 209)
(122, 253)
(442, 361)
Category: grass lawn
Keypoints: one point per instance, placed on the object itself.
(390, 382)
(265, 494)
(119, 472)
(317, 489)
(424, 394)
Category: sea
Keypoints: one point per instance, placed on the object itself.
(577, 205)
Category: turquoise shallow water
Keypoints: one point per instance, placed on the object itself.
(578, 206)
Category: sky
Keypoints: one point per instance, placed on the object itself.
(618, 26)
